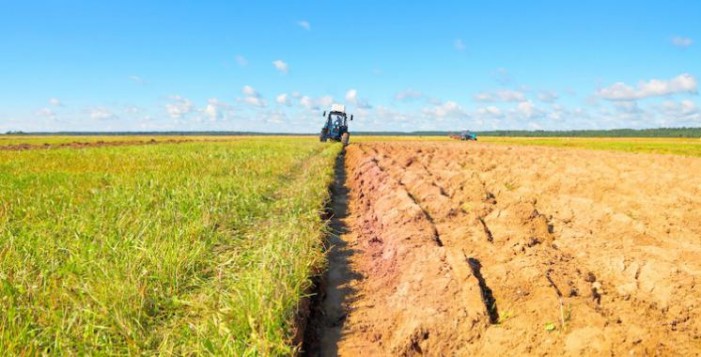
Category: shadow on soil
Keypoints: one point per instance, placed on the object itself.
(328, 306)
(490, 303)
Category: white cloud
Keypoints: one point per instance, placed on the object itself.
(683, 83)
(216, 109)
(682, 41)
(252, 97)
(459, 45)
(281, 66)
(506, 95)
(489, 112)
(528, 110)
(46, 113)
(352, 97)
(325, 101)
(179, 107)
(448, 109)
(307, 102)
(316, 104)
(304, 24)
(685, 109)
(55, 102)
(548, 96)
(101, 113)
(276, 117)
(241, 60)
(249, 91)
(283, 99)
(688, 107)
(255, 101)
(408, 95)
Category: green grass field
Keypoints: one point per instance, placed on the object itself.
(194, 248)
(39, 140)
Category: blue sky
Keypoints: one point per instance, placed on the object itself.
(273, 66)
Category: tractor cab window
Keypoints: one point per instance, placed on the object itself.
(336, 119)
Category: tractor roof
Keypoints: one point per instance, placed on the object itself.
(338, 108)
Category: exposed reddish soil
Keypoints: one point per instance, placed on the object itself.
(90, 144)
(471, 248)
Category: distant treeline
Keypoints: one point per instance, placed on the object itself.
(614, 133)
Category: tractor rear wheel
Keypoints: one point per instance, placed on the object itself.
(345, 138)
(322, 136)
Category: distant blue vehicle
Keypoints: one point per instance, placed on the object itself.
(468, 135)
(336, 125)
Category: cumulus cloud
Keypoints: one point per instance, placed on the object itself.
(216, 109)
(448, 109)
(528, 110)
(252, 97)
(316, 104)
(459, 45)
(489, 112)
(408, 95)
(55, 102)
(255, 101)
(683, 83)
(307, 102)
(241, 60)
(682, 41)
(46, 113)
(281, 66)
(325, 101)
(101, 113)
(685, 109)
(352, 97)
(283, 99)
(179, 107)
(506, 95)
(304, 24)
(249, 91)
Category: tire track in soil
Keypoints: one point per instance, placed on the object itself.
(499, 246)
(555, 270)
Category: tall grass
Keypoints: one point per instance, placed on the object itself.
(167, 249)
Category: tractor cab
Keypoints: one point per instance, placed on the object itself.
(336, 120)
(336, 125)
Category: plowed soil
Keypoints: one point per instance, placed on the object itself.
(472, 248)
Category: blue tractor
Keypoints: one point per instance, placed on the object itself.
(336, 125)
(468, 136)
